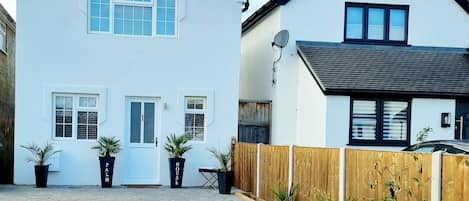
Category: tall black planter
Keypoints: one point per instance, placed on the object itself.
(41, 172)
(176, 171)
(107, 170)
(225, 180)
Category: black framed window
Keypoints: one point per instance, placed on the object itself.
(377, 122)
(376, 23)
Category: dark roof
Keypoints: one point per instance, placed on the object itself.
(464, 4)
(370, 69)
(261, 13)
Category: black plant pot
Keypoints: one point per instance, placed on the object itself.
(176, 171)
(41, 172)
(225, 180)
(107, 170)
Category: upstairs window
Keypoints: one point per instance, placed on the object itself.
(133, 17)
(3, 37)
(195, 115)
(99, 16)
(132, 20)
(376, 24)
(166, 17)
(379, 122)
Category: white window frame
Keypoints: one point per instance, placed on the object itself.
(88, 16)
(75, 109)
(196, 111)
(152, 4)
(3, 32)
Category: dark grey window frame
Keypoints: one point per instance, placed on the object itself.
(385, 41)
(379, 124)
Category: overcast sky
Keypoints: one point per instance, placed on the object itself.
(255, 4)
(10, 5)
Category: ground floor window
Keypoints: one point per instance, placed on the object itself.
(195, 118)
(380, 122)
(75, 116)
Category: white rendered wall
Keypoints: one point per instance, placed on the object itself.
(440, 23)
(337, 121)
(427, 113)
(424, 113)
(311, 119)
(257, 56)
(58, 51)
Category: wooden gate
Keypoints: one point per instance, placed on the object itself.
(254, 121)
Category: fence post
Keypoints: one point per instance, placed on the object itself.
(436, 176)
(290, 168)
(342, 178)
(258, 173)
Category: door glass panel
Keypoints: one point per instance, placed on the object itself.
(149, 123)
(135, 123)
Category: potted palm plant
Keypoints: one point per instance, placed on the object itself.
(225, 175)
(107, 147)
(176, 147)
(40, 156)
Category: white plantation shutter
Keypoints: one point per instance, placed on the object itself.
(364, 120)
(380, 122)
(395, 120)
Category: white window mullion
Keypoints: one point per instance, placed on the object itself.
(142, 122)
(74, 118)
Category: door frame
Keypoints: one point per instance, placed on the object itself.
(126, 139)
(462, 108)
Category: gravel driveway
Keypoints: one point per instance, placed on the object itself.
(94, 193)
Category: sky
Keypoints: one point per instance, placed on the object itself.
(10, 5)
(255, 4)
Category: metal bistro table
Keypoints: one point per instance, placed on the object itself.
(210, 176)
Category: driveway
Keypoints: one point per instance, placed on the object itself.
(94, 193)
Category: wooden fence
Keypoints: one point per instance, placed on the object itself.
(455, 178)
(377, 175)
(274, 170)
(320, 164)
(245, 167)
(352, 175)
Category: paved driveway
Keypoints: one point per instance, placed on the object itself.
(92, 193)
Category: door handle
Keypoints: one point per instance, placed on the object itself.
(156, 141)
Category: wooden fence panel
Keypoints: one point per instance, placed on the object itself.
(377, 175)
(455, 178)
(316, 170)
(245, 167)
(274, 170)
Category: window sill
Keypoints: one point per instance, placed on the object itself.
(4, 52)
(376, 42)
(379, 144)
(153, 36)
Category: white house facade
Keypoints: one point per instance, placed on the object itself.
(139, 70)
(360, 73)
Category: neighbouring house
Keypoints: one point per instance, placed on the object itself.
(7, 94)
(139, 70)
(360, 73)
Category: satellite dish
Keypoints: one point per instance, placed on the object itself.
(281, 39)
